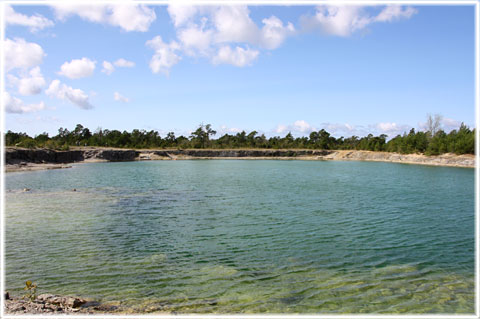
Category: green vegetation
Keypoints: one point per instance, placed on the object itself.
(432, 142)
(31, 290)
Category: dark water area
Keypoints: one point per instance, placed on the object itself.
(232, 236)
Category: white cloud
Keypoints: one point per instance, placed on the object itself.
(233, 24)
(129, 17)
(22, 54)
(181, 14)
(281, 129)
(302, 126)
(122, 63)
(395, 12)
(31, 84)
(164, 57)
(108, 68)
(212, 32)
(341, 20)
(35, 22)
(343, 129)
(15, 105)
(238, 57)
(92, 13)
(391, 129)
(64, 92)
(387, 127)
(77, 69)
(450, 124)
(195, 39)
(120, 98)
(345, 20)
(273, 33)
(227, 34)
(228, 130)
(299, 127)
(132, 18)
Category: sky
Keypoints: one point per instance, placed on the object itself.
(351, 70)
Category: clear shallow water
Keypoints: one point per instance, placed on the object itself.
(247, 236)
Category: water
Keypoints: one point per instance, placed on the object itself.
(247, 236)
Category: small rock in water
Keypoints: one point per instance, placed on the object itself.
(74, 189)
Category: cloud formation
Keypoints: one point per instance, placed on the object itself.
(63, 92)
(165, 55)
(35, 22)
(228, 35)
(303, 128)
(449, 124)
(344, 20)
(228, 130)
(77, 68)
(120, 98)
(274, 33)
(30, 84)
(122, 63)
(128, 16)
(22, 54)
(221, 34)
(108, 68)
(15, 105)
(299, 127)
(237, 57)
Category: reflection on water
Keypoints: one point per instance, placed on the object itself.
(247, 236)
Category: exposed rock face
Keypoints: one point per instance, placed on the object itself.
(111, 155)
(239, 153)
(19, 157)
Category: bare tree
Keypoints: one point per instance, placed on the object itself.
(434, 124)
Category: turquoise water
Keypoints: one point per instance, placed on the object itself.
(233, 236)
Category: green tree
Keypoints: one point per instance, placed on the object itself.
(201, 136)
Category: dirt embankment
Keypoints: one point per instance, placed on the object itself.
(19, 159)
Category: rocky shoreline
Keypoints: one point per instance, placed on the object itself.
(20, 159)
(55, 305)
(50, 304)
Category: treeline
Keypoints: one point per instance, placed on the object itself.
(431, 142)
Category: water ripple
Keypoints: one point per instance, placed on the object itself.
(247, 236)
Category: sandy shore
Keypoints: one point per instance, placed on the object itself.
(33, 167)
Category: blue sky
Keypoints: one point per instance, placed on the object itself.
(351, 70)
